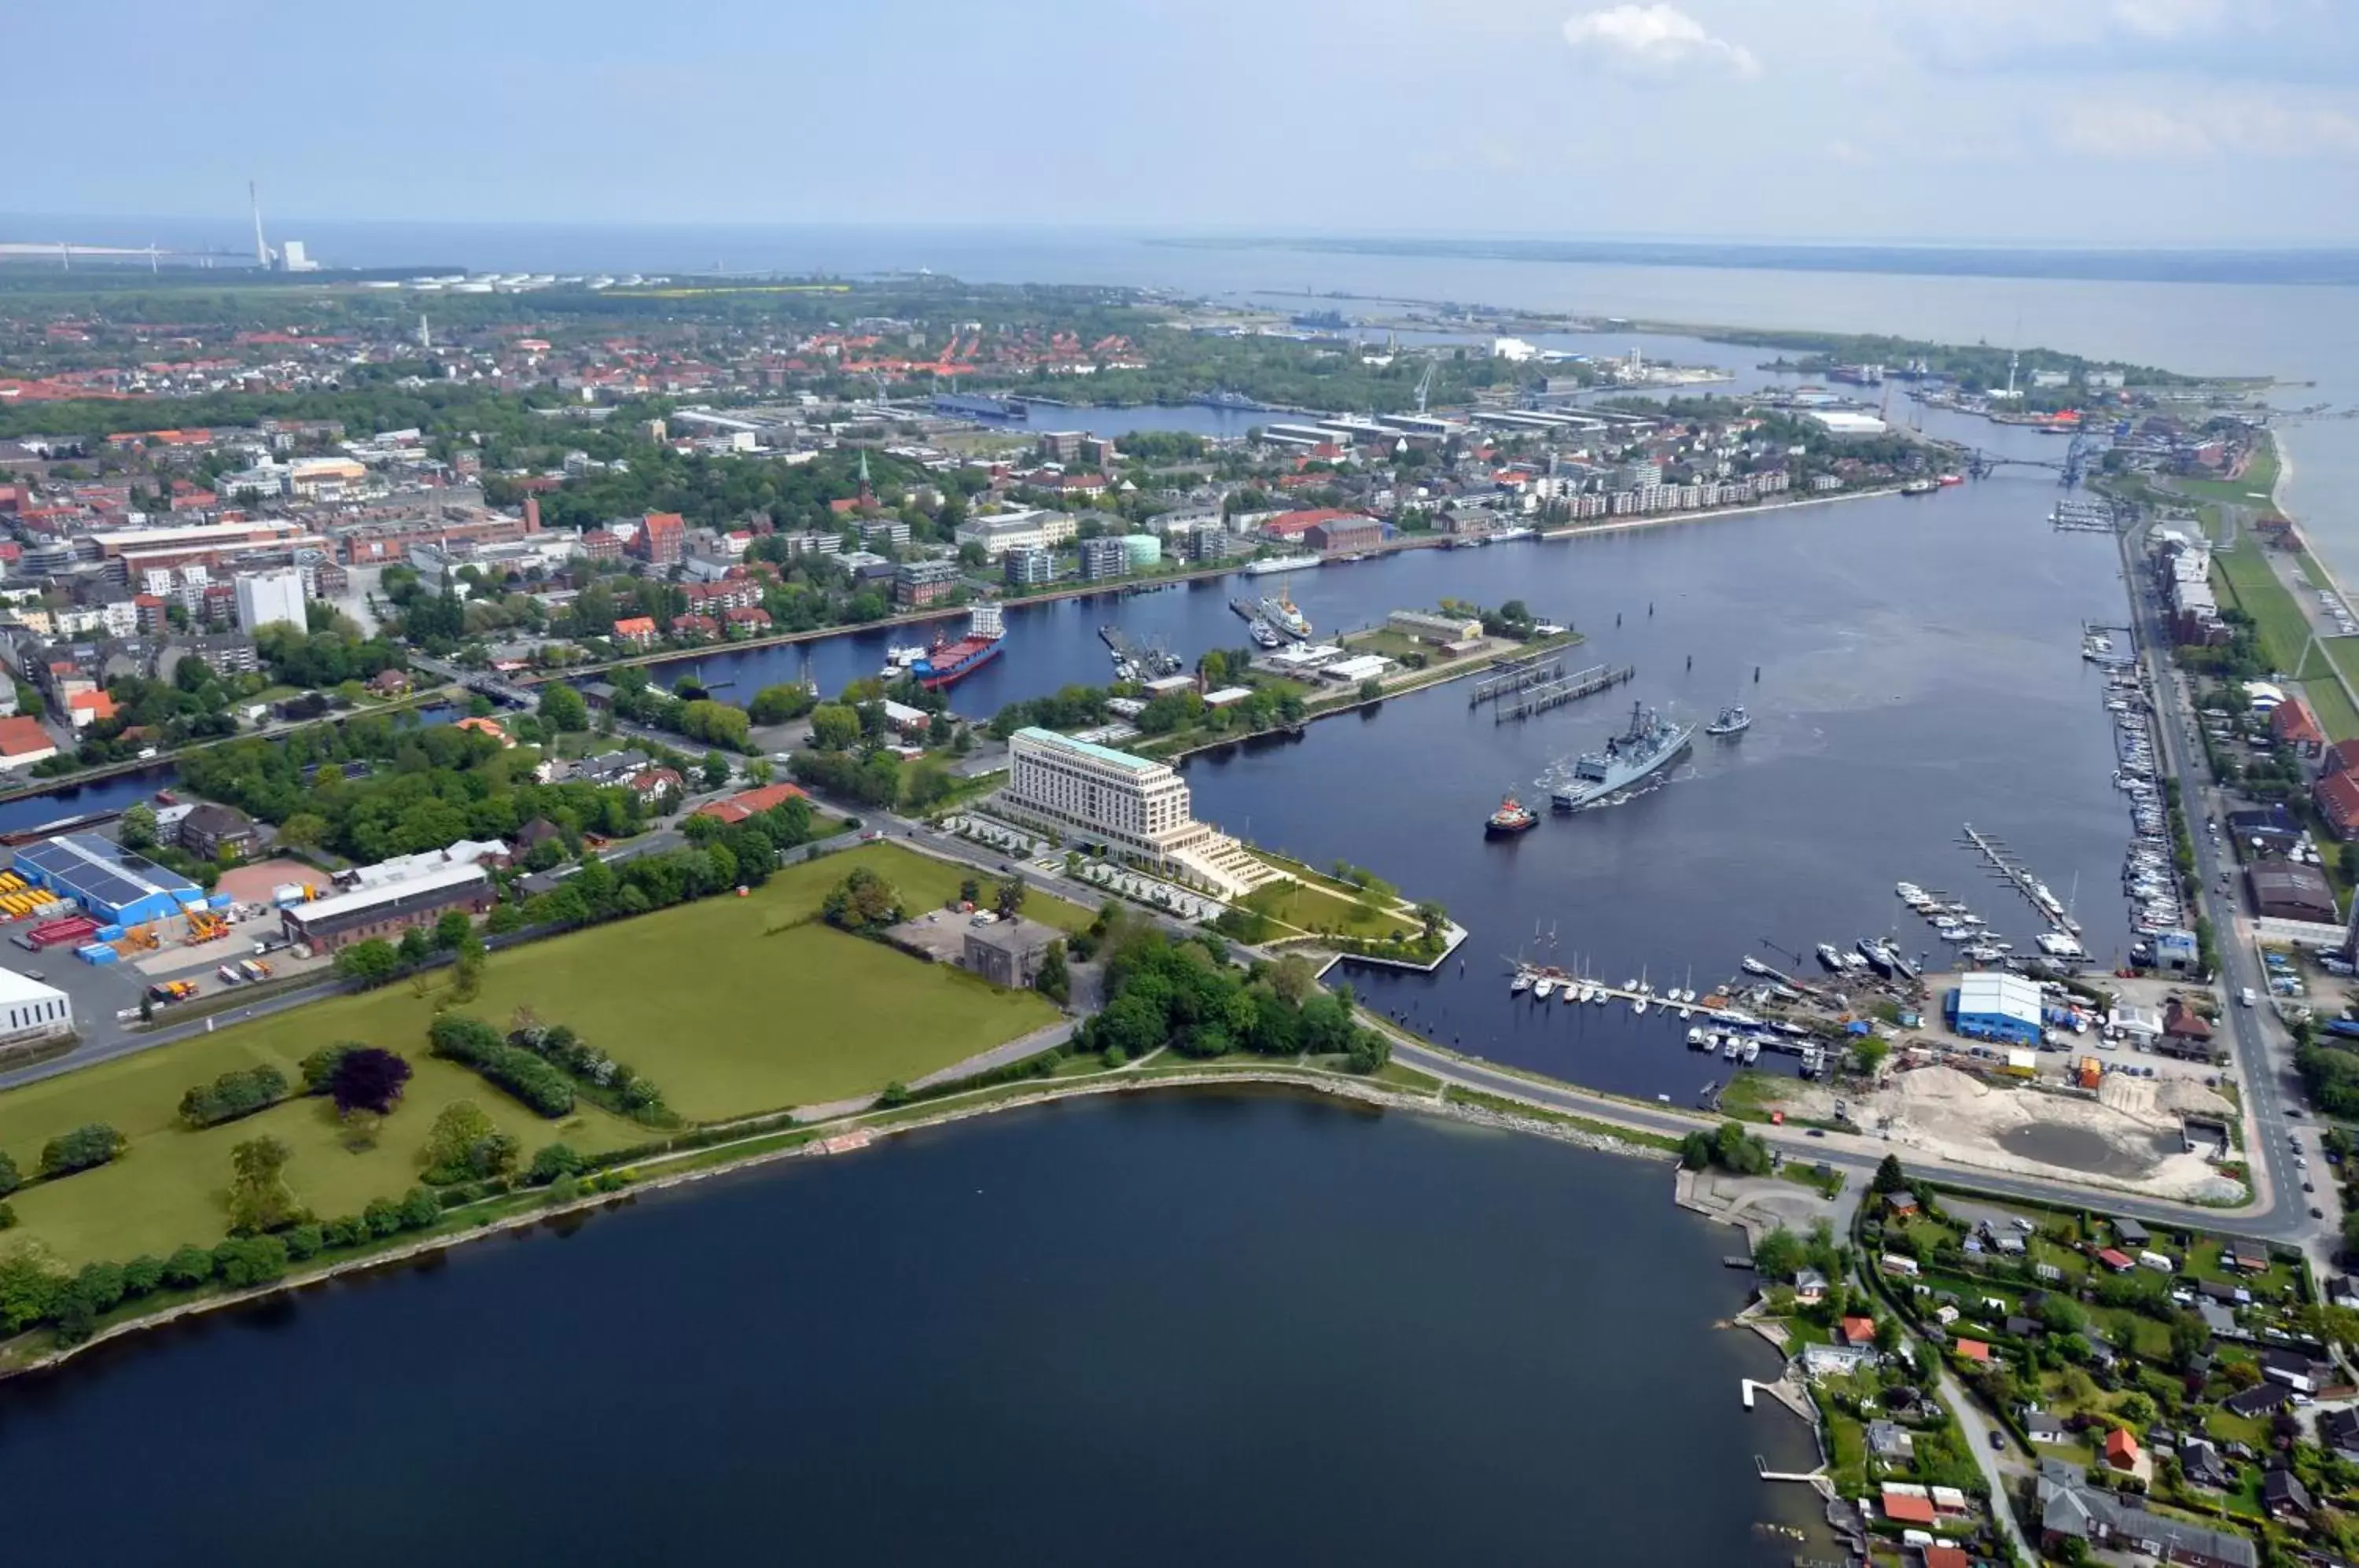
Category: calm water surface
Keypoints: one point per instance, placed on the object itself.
(1155, 1331)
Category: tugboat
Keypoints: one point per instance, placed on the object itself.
(1733, 720)
(1919, 487)
(1512, 817)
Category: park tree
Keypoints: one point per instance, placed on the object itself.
(10, 1177)
(970, 892)
(259, 1198)
(452, 929)
(863, 903)
(716, 770)
(1008, 897)
(467, 971)
(465, 1144)
(368, 1079)
(1889, 1177)
(1868, 1052)
(416, 947)
(551, 1161)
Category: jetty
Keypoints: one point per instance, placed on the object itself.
(1539, 698)
(1784, 1391)
(2009, 867)
(1152, 662)
(1514, 675)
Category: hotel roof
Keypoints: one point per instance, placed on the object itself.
(1088, 749)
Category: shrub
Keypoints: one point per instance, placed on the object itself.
(188, 1267)
(85, 1146)
(142, 1275)
(382, 1216)
(318, 1068)
(530, 1080)
(419, 1208)
(305, 1241)
(101, 1284)
(243, 1262)
(552, 1162)
(10, 1177)
(232, 1096)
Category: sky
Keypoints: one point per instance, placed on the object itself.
(2185, 123)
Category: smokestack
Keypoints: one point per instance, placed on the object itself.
(261, 251)
(532, 514)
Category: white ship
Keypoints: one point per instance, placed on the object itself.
(1279, 563)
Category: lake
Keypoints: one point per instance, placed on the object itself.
(1155, 1330)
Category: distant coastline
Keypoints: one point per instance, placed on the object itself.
(2323, 267)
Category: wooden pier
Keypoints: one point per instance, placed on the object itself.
(1541, 698)
(1515, 676)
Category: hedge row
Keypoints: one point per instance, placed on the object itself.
(530, 1080)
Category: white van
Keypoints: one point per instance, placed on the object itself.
(2245, 996)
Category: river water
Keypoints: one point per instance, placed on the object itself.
(1174, 1330)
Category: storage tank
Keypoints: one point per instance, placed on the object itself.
(1142, 550)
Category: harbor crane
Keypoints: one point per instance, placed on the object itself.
(1425, 383)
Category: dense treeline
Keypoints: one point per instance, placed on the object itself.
(1189, 995)
(378, 786)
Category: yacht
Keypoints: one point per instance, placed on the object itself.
(1543, 988)
(1730, 1049)
(1829, 957)
(1638, 1006)
(1751, 1053)
(1754, 967)
(1522, 982)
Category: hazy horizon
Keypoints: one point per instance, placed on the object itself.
(2045, 124)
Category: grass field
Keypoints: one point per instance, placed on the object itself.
(729, 1014)
(2253, 586)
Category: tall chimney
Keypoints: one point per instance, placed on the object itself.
(532, 514)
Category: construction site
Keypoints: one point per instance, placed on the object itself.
(2160, 1135)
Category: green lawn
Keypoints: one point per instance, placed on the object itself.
(2252, 582)
(728, 1004)
(170, 1187)
(924, 883)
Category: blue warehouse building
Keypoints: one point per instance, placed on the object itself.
(1991, 1005)
(112, 885)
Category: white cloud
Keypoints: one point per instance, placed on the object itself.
(2243, 126)
(1656, 37)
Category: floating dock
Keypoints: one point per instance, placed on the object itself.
(1153, 662)
(2006, 864)
(1541, 698)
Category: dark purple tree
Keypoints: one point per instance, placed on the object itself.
(369, 1079)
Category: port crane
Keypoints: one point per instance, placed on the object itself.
(1425, 383)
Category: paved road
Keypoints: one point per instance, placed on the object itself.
(1997, 1466)
(2262, 1053)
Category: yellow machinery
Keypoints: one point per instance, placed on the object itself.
(204, 926)
(138, 939)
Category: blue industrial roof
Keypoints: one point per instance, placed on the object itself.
(100, 870)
